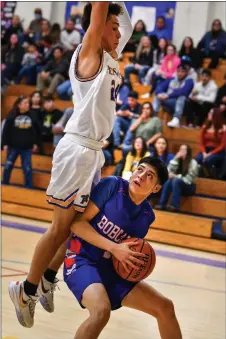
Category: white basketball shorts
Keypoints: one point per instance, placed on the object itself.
(75, 171)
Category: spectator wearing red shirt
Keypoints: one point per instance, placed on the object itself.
(212, 141)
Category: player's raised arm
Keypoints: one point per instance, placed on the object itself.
(125, 27)
(93, 22)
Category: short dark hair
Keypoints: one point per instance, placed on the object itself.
(58, 47)
(113, 9)
(183, 67)
(48, 98)
(206, 72)
(159, 166)
(133, 94)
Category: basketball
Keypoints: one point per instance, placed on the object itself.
(144, 270)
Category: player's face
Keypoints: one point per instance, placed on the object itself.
(144, 181)
(111, 34)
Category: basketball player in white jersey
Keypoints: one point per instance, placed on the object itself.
(78, 158)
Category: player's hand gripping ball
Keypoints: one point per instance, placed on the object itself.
(144, 270)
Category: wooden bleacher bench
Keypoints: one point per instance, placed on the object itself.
(186, 231)
(195, 204)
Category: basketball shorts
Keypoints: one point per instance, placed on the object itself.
(85, 273)
(76, 169)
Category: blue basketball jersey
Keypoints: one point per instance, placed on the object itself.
(119, 218)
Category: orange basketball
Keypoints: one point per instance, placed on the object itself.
(144, 270)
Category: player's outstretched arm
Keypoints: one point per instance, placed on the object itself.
(125, 27)
(91, 51)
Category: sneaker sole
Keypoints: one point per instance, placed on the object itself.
(49, 310)
(13, 297)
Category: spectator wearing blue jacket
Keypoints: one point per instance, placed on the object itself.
(213, 44)
(173, 93)
(161, 30)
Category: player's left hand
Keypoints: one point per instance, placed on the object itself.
(127, 257)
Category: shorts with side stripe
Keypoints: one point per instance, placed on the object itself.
(75, 170)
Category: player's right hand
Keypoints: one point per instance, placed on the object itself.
(127, 257)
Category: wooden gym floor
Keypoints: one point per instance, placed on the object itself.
(195, 281)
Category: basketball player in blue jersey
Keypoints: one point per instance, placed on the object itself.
(117, 210)
(78, 158)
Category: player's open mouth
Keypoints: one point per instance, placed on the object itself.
(137, 182)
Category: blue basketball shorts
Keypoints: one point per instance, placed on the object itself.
(78, 276)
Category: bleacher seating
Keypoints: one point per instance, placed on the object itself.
(191, 228)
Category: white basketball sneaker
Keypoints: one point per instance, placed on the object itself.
(46, 292)
(24, 304)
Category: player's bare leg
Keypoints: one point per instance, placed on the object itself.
(96, 300)
(24, 295)
(145, 298)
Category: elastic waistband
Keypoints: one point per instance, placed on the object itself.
(83, 141)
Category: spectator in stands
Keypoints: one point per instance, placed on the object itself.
(139, 150)
(201, 99)
(45, 33)
(138, 32)
(58, 128)
(108, 150)
(20, 137)
(70, 37)
(123, 93)
(12, 60)
(172, 95)
(124, 117)
(213, 44)
(161, 150)
(183, 171)
(160, 30)
(30, 60)
(36, 24)
(192, 74)
(36, 109)
(168, 67)
(55, 34)
(146, 126)
(142, 62)
(50, 117)
(221, 97)
(158, 56)
(212, 142)
(64, 90)
(187, 49)
(54, 73)
(15, 28)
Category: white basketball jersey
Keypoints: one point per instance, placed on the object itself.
(94, 99)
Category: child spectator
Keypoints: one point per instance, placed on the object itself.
(201, 99)
(161, 150)
(212, 142)
(30, 60)
(183, 171)
(213, 44)
(51, 117)
(36, 109)
(187, 49)
(142, 62)
(139, 150)
(20, 136)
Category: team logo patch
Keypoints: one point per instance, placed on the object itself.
(84, 199)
